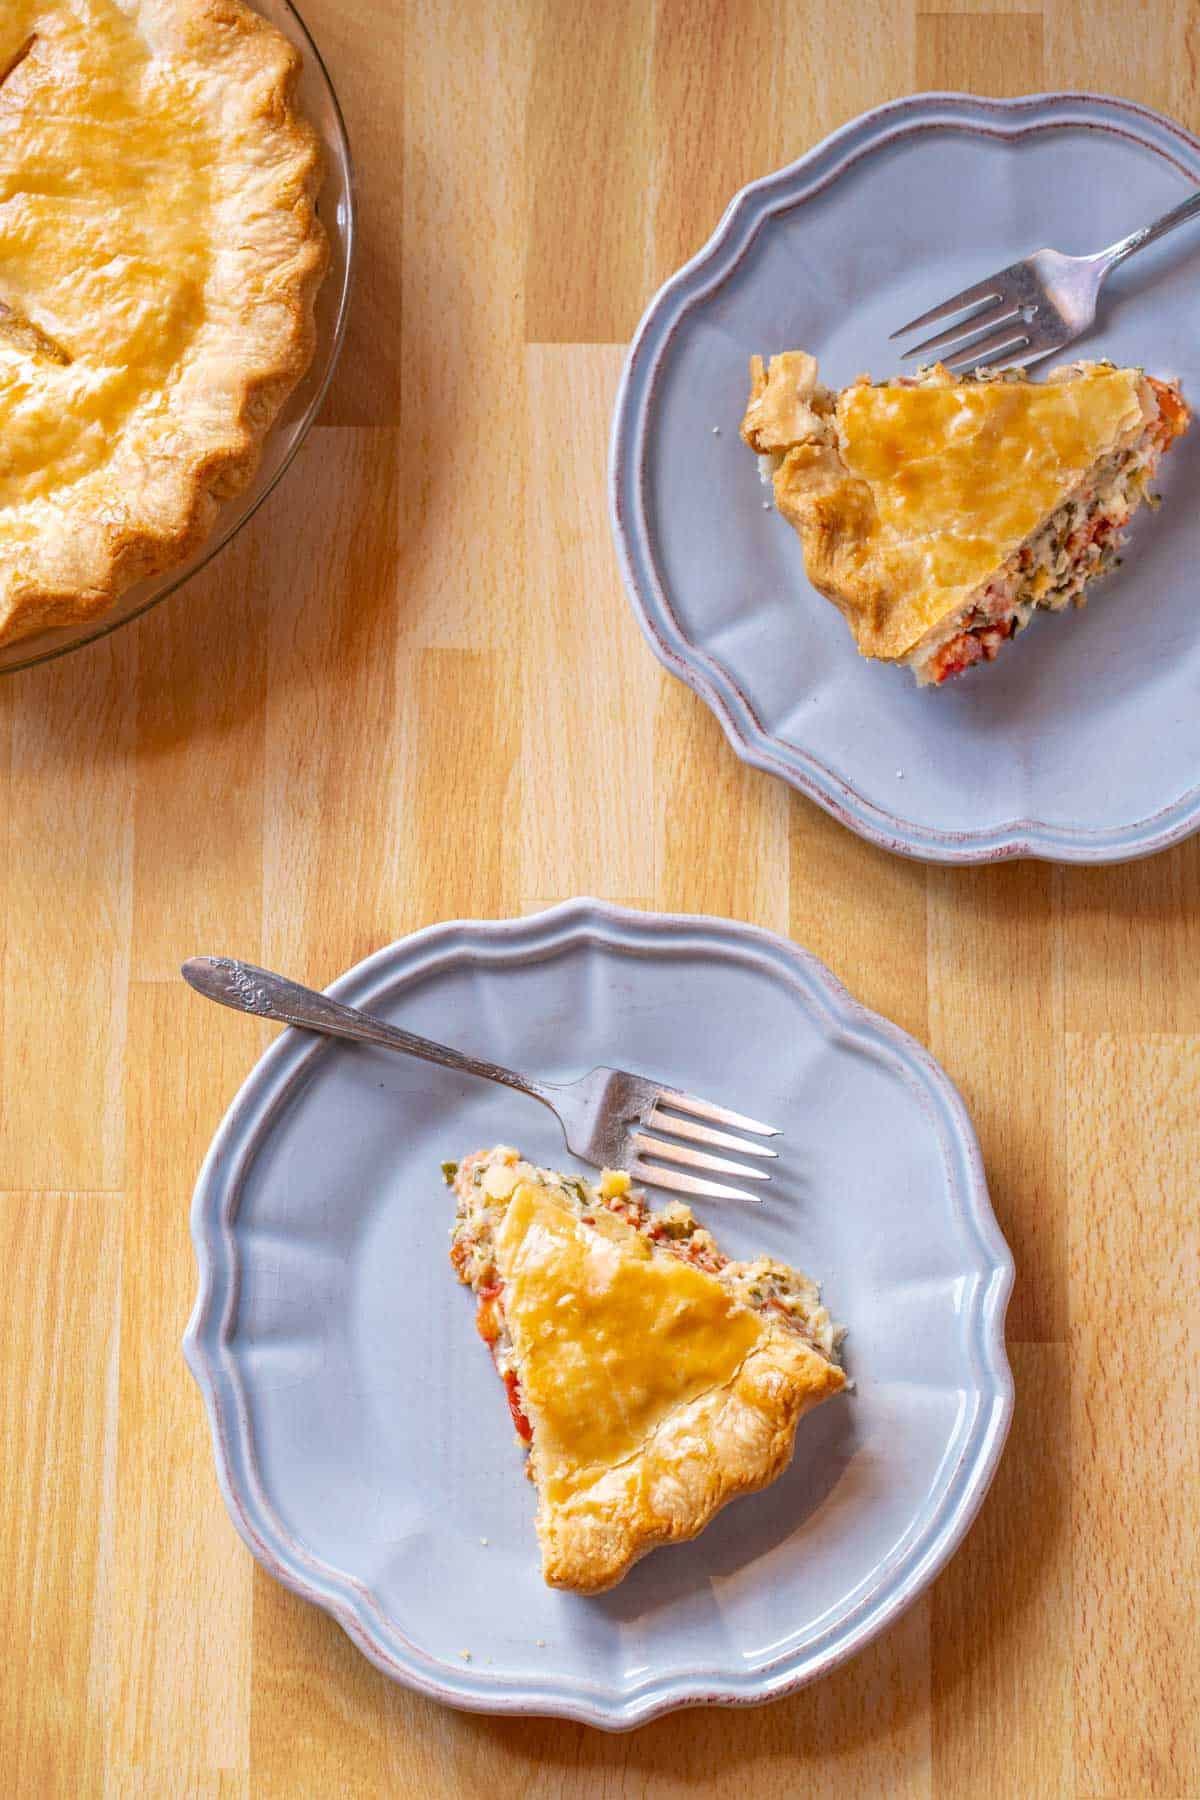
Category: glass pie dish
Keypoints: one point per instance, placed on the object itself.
(336, 209)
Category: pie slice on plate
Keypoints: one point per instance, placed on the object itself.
(159, 258)
(652, 1378)
(938, 512)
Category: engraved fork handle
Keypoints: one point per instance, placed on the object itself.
(1137, 240)
(248, 989)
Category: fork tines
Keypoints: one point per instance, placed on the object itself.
(677, 1115)
(991, 330)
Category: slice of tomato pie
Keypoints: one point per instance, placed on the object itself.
(939, 512)
(652, 1378)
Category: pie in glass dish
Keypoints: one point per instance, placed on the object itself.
(652, 1378)
(159, 260)
(940, 512)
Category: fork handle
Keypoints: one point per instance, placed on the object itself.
(248, 989)
(1137, 240)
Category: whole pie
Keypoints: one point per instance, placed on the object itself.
(651, 1377)
(159, 258)
(940, 512)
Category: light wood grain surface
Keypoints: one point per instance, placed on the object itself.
(270, 764)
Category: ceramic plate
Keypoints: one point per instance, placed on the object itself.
(1082, 742)
(362, 1440)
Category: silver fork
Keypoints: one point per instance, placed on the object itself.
(609, 1118)
(1034, 307)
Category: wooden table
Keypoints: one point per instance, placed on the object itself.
(274, 763)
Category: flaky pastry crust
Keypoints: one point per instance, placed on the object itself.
(733, 1440)
(908, 497)
(159, 259)
(656, 1379)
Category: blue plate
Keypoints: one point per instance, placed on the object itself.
(1082, 742)
(362, 1440)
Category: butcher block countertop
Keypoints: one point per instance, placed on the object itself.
(275, 763)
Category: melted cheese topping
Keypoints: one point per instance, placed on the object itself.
(609, 1337)
(960, 476)
(105, 234)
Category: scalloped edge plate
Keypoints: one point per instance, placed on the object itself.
(751, 209)
(897, 1582)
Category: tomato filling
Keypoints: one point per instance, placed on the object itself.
(1173, 415)
(701, 1254)
(512, 1388)
(489, 1323)
(1078, 543)
(980, 644)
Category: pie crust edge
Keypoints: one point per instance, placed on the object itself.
(732, 1440)
(187, 496)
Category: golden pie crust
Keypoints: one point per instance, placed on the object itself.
(159, 259)
(655, 1393)
(907, 498)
